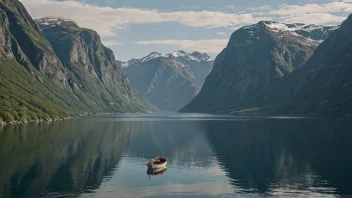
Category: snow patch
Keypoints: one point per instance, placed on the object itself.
(51, 19)
(54, 21)
(150, 56)
(178, 54)
(277, 27)
(175, 56)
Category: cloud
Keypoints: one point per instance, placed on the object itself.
(221, 33)
(111, 43)
(294, 10)
(193, 7)
(209, 46)
(311, 18)
(105, 20)
(329, 13)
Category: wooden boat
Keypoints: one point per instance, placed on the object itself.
(157, 163)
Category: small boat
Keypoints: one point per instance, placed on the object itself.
(157, 163)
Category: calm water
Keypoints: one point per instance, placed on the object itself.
(105, 156)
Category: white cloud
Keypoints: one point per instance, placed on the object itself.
(333, 12)
(106, 19)
(221, 33)
(311, 18)
(193, 7)
(294, 10)
(209, 46)
(111, 43)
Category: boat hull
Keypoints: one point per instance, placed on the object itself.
(157, 163)
(156, 166)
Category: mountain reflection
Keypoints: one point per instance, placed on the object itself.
(272, 156)
(184, 143)
(105, 157)
(67, 157)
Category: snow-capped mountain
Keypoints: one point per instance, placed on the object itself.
(256, 58)
(180, 55)
(313, 33)
(52, 22)
(195, 56)
(316, 33)
(197, 63)
(170, 80)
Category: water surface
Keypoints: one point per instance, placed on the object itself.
(209, 156)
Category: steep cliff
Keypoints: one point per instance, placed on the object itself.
(324, 84)
(255, 58)
(34, 84)
(95, 77)
(20, 38)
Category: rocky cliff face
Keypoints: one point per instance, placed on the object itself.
(169, 81)
(200, 64)
(21, 39)
(324, 84)
(34, 84)
(255, 58)
(94, 74)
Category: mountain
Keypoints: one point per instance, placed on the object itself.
(22, 40)
(324, 85)
(169, 81)
(256, 57)
(34, 84)
(199, 63)
(95, 76)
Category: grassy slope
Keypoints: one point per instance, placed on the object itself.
(22, 96)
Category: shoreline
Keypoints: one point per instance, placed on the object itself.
(25, 121)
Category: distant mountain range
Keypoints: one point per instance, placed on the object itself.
(270, 68)
(169, 81)
(57, 70)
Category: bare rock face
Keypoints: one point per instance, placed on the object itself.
(169, 81)
(256, 57)
(21, 39)
(94, 74)
(324, 84)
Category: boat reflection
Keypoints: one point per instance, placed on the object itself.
(155, 172)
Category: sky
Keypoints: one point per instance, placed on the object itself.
(135, 28)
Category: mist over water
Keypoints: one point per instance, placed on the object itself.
(209, 156)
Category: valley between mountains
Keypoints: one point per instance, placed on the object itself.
(52, 68)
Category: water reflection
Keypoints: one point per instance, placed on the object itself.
(64, 157)
(224, 156)
(285, 157)
(155, 172)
